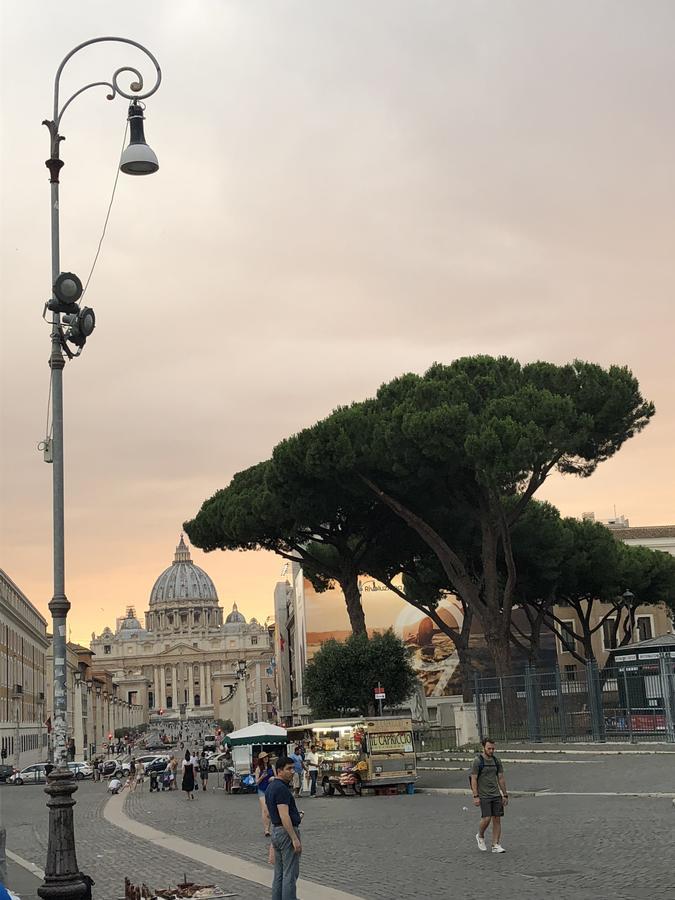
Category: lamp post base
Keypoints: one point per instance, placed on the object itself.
(63, 880)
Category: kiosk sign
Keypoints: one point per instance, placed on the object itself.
(391, 741)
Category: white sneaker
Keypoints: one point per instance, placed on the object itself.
(497, 848)
(481, 842)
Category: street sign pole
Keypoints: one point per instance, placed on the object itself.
(379, 696)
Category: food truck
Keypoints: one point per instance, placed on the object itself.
(361, 753)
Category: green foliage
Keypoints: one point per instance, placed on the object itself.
(227, 725)
(341, 677)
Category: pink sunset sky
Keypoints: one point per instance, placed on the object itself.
(347, 191)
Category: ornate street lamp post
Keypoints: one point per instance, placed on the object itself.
(62, 876)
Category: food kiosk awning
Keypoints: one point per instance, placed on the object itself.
(260, 733)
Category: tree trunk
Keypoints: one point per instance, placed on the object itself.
(465, 672)
(349, 582)
(499, 645)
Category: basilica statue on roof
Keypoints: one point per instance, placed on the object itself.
(187, 659)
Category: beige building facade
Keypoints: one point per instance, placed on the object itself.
(23, 651)
(648, 621)
(189, 660)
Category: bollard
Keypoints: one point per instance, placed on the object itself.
(3, 857)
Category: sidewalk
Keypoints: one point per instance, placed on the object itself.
(21, 881)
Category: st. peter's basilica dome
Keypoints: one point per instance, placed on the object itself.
(183, 580)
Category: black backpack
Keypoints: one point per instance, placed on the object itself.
(481, 766)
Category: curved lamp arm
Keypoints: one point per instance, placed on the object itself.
(135, 86)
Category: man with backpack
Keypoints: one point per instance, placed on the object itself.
(489, 792)
(204, 770)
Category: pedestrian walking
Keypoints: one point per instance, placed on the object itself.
(173, 769)
(188, 779)
(312, 763)
(298, 771)
(228, 771)
(264, 773)
(204, 770)
(489, 792)
(285, 819)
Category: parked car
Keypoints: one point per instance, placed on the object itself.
(142, 761)
(35, 774)
(209, 742)
(5, 772)
(218, 762)
(112, 766)
(80, 770)
(158, 764)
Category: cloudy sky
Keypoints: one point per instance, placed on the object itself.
(347, 190)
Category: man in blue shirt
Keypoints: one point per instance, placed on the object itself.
(298, 770)
(285, 820)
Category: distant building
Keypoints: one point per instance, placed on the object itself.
(23, 649)
(185, 662)
(650, 621)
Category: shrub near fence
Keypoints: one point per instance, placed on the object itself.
(544, 706)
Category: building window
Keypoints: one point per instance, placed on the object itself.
(570, 673)
(645, 630)
(106, 648)
(151, 700)
(254, 640)
(169, 702)
(608, 635)
(566, 641)
(197, 700)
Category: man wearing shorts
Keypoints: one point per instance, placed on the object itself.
(489, 792)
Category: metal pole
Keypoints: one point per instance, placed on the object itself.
(476, 700)
(666, 667)
(629, 715)
(62, 876)
(561, 705)
(63, 879)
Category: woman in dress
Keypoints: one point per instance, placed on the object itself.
(188, 770)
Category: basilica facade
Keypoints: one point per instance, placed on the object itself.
(187, 661)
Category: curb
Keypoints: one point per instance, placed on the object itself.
(113, 812)
(463, 792)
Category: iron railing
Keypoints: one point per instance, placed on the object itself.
(615, 704)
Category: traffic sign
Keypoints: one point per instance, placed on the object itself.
(379, 693)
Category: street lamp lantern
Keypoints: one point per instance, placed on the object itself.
(62, 877)
(138, 158)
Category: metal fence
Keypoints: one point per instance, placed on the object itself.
(617, 704)
(435, 738)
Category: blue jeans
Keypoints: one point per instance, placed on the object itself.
(286, 865)
(313, 775)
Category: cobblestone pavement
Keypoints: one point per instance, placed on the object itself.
(582, 848)
(103, 851)
(536, 771)
(408, 848)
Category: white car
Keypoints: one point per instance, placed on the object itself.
(80, 770)
(30, 775)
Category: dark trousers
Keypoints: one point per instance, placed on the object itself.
(286, 865)
(313, 775)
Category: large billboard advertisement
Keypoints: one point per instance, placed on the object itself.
(433, 653)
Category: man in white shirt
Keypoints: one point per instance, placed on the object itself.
(114, 785)
(312, 763)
